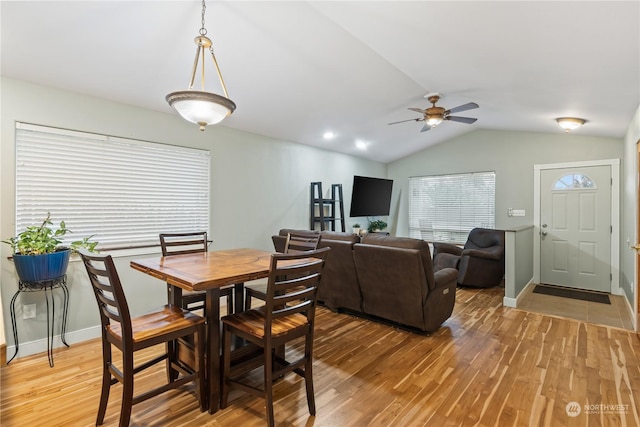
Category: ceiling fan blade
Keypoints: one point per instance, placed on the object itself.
(467, 120)
(402, 121)
(465, 107)
(425, 128)
(418, 110)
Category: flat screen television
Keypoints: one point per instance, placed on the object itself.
(370, 196)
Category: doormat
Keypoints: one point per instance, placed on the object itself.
(572, 293)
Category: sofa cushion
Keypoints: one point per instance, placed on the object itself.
(382, 239)
(338, 235)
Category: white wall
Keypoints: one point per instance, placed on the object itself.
(258, 185)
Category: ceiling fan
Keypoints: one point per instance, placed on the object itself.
(433, 115)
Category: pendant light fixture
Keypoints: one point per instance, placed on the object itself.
(200, 107)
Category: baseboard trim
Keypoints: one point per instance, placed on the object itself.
(40, 346)
(513, 302)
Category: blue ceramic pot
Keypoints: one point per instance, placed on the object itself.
(37, 268)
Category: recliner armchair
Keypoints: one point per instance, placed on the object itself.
(480, 263)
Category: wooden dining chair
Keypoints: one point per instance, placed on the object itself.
(129, 335)
(289, 314)
(190, 243)
(295, 243)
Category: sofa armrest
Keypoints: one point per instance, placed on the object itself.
(446, 248)
(441, 299)
(445, 277)
(494, 253)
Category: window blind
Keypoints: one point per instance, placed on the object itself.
(445, 208)
(123, 191)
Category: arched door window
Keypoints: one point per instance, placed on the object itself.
(574, 181)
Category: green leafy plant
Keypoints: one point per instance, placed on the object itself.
(377, 224)
(42, 239)
(356, 225)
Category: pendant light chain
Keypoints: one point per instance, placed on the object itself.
(203, 30)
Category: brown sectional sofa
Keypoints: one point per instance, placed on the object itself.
(391, 278)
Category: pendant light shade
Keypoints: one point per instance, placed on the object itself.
(200, 107)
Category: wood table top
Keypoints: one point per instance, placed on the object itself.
(206, 270)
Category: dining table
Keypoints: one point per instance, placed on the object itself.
(209, 271)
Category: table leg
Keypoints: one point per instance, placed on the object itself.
(212, 310)
(174, 296)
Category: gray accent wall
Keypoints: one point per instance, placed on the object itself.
(511, 155)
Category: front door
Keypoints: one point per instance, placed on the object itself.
(575, 227)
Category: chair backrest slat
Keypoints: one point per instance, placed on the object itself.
(293, 285)
(108, 291)
(183, 243)
(296, 243)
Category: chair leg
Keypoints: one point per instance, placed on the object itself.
(226, 366)
(247, 301)
(106, 382)
(127, 389)
(172, 356)
(230, 304)
(268, 386)
(199, 346)
(308, 375)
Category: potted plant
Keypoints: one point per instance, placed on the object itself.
(356, 228)
(38, 254)
(377, 225)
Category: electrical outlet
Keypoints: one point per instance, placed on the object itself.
(28, 311)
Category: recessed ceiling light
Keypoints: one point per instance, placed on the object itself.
(328, 135)
(361, 145)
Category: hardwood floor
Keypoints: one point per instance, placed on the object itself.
(488, 365)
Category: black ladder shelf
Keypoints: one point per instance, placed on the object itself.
(319, 204)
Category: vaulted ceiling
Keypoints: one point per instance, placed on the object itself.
(296, 69)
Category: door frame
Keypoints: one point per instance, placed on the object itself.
(615, 215)
(636, 289)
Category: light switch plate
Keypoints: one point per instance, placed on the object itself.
(518, 212)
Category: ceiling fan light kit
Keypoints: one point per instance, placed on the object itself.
(435, 115)
(570, 123)
(200, 107)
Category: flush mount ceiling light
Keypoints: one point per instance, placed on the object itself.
(200, 107)
(570, 123)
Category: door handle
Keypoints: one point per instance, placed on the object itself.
(543, 232)
(636, 248)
